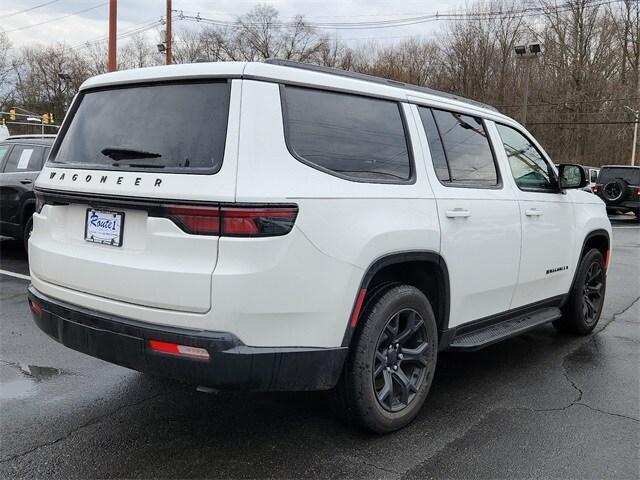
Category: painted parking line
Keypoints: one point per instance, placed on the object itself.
(15, 275)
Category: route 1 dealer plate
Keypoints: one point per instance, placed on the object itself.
(104, 227)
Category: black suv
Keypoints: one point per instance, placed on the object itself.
(619, 187)
(21, 159)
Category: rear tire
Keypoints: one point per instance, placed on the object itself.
(582, 310)
(391, 362)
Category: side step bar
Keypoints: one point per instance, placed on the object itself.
(483, 336)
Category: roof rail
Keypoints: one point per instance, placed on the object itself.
(32, 135)
(372, 79)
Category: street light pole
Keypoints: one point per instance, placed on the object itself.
(527, 53)
(636, 114)
(527, 71)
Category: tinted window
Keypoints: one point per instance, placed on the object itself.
(594, 176)
(358, 137)
(176, 127)
(528, 166)
(467, 148)
(630, 175)
(24, 158)
(435, 144)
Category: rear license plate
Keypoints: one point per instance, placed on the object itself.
(104, 226)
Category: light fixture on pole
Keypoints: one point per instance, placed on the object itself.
(527, 53)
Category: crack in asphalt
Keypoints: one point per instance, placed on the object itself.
(92, 421)
(579, 391)
(382, 469)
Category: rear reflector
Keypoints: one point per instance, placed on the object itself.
(253, 221)
(178, 350)
(356, 311)
(35, 308)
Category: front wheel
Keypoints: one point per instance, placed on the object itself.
(584, 305)
(392, 361)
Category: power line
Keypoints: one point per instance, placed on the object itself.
(570, 102)
(57, 18)
(127, 33)
(402, 22)
(615, 122)
(28, 9)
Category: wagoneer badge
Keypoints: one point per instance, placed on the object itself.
(88, 178)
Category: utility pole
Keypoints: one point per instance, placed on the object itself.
(113, 19)
(636, 114)
(168, 34)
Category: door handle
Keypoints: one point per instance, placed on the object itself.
(533, 212)
(458, 213)
(26, 182)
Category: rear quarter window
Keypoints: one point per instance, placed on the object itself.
(167, 127)
(354, 137)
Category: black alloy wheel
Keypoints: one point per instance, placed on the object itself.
(391, 362)
(592, 292)
(581, 311)
(401, 360)
(612, 190)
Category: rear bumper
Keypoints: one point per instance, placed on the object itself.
(232, 365)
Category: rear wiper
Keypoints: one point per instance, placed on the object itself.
(120, 153)
(136, 165)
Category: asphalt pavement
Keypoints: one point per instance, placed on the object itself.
(541, 405)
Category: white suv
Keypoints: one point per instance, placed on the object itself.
(278, 226)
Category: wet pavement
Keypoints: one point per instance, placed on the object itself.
(540, 405)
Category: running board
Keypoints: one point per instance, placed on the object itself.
(488, 335)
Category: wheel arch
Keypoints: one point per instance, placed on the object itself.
(426, 270)
(598, 239)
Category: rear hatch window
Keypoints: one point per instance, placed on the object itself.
(630, 175)
(167, 127)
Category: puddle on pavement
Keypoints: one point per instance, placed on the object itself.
(20, 380)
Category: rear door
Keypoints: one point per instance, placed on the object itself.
(151, 162)
(16, 183)
(478, 215)
(548, 222)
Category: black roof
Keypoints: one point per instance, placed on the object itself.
(372, 79)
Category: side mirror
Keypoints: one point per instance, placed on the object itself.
(571, 176)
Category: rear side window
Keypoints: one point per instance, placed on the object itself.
(460, 148)
(355, 137)
(168, 127)
(630, 175)
(24, 158)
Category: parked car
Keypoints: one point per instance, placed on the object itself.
(619, 187)
(280, 226)
(21, 159)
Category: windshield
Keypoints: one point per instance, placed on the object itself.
(170, 127)
(630, 175)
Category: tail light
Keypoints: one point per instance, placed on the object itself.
(232, 221)
(39, 202)
(595, 189)
(637, 190)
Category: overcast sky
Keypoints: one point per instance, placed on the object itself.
(65, 21)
